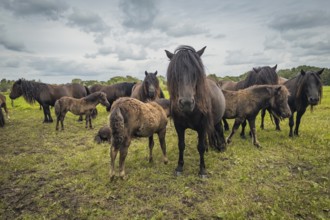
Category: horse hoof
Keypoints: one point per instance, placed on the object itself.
(178, 173)
(203, 176)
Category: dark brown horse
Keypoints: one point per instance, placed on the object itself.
(3, 105)
(131, 118)
(305, 90)
(148, 89)
(245, 105)
(196, 103)
(117, 90)
(83, 106)
(45, 94)
(96, 88)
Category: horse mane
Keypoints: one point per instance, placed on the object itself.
(92, 97)
(187, 62)
(300, 82)
(31, 90)
(261, 76)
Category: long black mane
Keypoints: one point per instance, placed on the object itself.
(187, 62)
(261, 76)
(31, 90)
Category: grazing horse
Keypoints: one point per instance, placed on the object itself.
(245, 104)
(117, 90)
(45, 94)
(83, 106)
(3, 105)
(103, 135)
(196, 103)
(305, 90)
(149, 89)
(131, 118)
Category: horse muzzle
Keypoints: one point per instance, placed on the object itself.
(313, 101)
(186, 104)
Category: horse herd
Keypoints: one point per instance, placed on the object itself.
(196, 102)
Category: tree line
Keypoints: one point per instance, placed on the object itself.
(5, 85)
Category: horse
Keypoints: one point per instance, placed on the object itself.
(83, 106)
(281, 81)
(245, 105)
(149, 89)
(45, 94)
(196, 103)
(3, 105)
(95, 88)
(306, 90)
(129, 118)
(117, 90)
(103, 135)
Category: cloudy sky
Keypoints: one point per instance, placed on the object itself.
(57, 40)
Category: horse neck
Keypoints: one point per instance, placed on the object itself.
(263, 95)
(31, 90)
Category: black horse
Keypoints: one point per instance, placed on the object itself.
(196, 103)
(46, 94)
(148, 89)
(305, 90)
(117, 90)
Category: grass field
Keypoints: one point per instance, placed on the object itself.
(64, 175)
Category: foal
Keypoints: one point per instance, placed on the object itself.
(245, 105)
(131, 118)
(84, 106)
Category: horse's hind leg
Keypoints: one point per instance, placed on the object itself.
(161, 136)
(122, 157)
(151, 146)
(243, 130)
(113, 155)
(226, 125)
(236, 125)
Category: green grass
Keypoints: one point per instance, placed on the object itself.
(64, 175)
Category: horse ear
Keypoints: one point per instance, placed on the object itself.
(320, 71)
(145, 72)
(169, 54)
(274, 68)
(201, 51)
(302, 72)
(255, 69)
(19, 81)
(155, 73)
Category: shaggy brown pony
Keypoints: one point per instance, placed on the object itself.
(149, 89)
(103, 135)
(245, 104)
(3, 105)
(131, 118)
(84, 106)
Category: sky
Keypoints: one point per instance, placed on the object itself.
(56, 41)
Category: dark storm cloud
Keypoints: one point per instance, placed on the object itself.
(89, 22)
(138, 15)
(51, 9)
(10, 43)
(300, 20)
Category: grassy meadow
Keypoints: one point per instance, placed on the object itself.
(64, 175)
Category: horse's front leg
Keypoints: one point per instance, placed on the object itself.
(6, 110)
(201, 150)
(291, 124)
(151, 146)
(243, 129)
(181, 145)
(161, 136)
(263, 113)
(46, 113)
(252, 124)
(226, 125)
(236, 125)
(298, 118)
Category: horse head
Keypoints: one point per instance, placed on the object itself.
(186, 77)
(16, 90)
(313, 86)
(102, 97)
(151, 85)
(279, 103)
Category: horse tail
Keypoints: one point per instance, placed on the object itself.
(57, 107)
(87, 90)
(2, 118)
(117, 126)
(217, 138)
